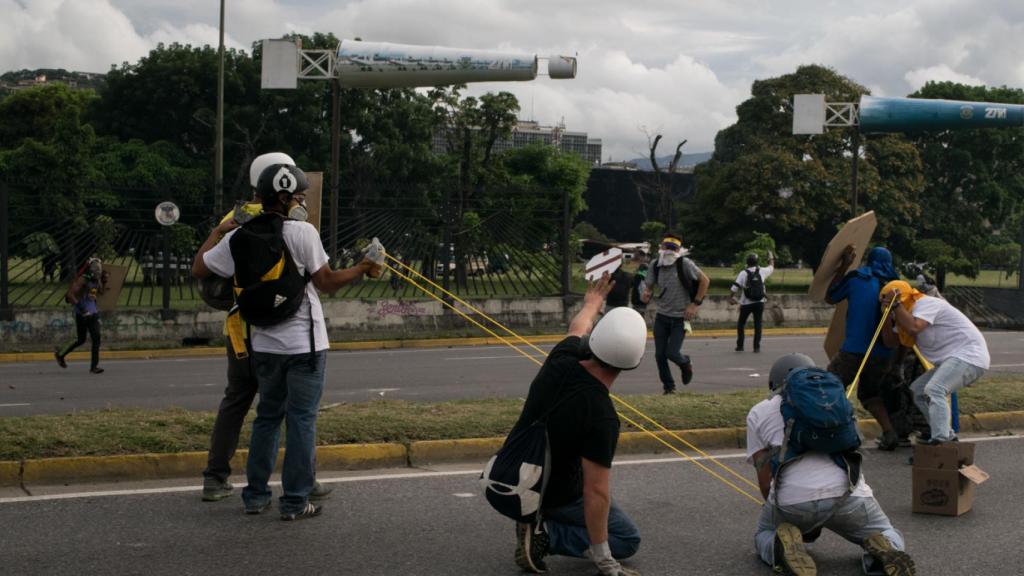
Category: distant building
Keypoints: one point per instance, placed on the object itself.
(527, 132)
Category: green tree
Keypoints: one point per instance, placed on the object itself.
(974, 185)
(762, 245)
(796, 188)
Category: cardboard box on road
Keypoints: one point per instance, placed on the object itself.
(944, 478)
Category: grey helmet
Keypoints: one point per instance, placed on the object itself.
(786, 364)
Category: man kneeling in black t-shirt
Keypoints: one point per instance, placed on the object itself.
(579, 517)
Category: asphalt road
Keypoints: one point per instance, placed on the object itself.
(411, 523)
(413, 374)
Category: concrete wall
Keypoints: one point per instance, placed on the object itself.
(42, 329)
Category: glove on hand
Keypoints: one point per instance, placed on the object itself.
(606, 565)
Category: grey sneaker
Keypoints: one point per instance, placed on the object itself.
(320, 492)
(894, 562)
(214, 490)
(309, 511)
(790, 555)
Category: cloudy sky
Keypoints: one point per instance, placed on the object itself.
(676, 67)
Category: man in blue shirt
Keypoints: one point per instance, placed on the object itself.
(860, 289)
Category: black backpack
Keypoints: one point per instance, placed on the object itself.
(689, 284)
(754, 290)
(514, 479)
(268, 286)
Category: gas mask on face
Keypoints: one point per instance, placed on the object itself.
(95, 268)
(297, 210)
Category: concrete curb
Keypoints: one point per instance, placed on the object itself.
(202, 352)
(86, 469)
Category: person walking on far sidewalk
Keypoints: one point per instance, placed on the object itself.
(750, 284)
(85, 288)
(678, 288)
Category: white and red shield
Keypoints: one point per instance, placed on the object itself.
(607, 261)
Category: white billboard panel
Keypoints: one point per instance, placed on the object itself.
(808, 113)
(280, 69)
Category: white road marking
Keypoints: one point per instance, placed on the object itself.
(380, 477)
(493, 357)
(379, 390)
(463, 495)
(1006, 365)
(6, 405)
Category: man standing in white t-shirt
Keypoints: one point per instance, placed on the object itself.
(947, 339)
(811, 494)
(750, 285)
(290, 355)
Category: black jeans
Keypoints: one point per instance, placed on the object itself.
(238, 397)
(669, 334)
(757, 309)
(83, 324)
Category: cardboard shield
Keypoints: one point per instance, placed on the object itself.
(107, 301)
(607, 261)
(857, 232)
(314, 198)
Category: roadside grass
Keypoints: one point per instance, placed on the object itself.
(129, 431)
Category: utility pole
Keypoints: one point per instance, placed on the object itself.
(335, 166)
(218, 161)
(853, 172)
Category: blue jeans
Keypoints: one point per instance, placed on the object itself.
(290, 390)
(932, 389)
(669, 334)
(855, 520)
(567, 528)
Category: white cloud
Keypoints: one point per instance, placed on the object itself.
(676, 68)
(941, 73)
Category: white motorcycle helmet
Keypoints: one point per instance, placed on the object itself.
(619, 339)
(261, 162)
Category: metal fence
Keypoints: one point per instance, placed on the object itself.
(501, 243)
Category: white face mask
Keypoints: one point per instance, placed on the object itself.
(668, 257)
(298, 212)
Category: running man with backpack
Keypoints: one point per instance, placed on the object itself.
(750, 284)
(678, 288)
(803, 442)
(569, 404)
(277, 265)
(90, 282)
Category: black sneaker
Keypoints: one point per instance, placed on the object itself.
(214, 490)
(887, 441)
(668, 391)
(531, 547)
(59, 359)
(96, 370)
(894, 562)
(687, 372)
(790, 555)
(257, 507)
(320, 492)
(309, 511)
(739, 348)
(757, 349)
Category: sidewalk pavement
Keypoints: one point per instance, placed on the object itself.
(90, 469)
(205, 351)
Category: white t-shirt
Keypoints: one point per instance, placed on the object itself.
(813, 477)
(950, 334)
(741, 280)
(292, 335)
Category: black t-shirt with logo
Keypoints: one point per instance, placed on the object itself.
(585, 425)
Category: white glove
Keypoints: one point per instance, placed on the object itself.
(606, 565)
(375, 252)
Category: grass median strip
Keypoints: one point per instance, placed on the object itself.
(130, 431)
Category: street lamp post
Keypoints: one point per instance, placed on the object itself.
(218, 162)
